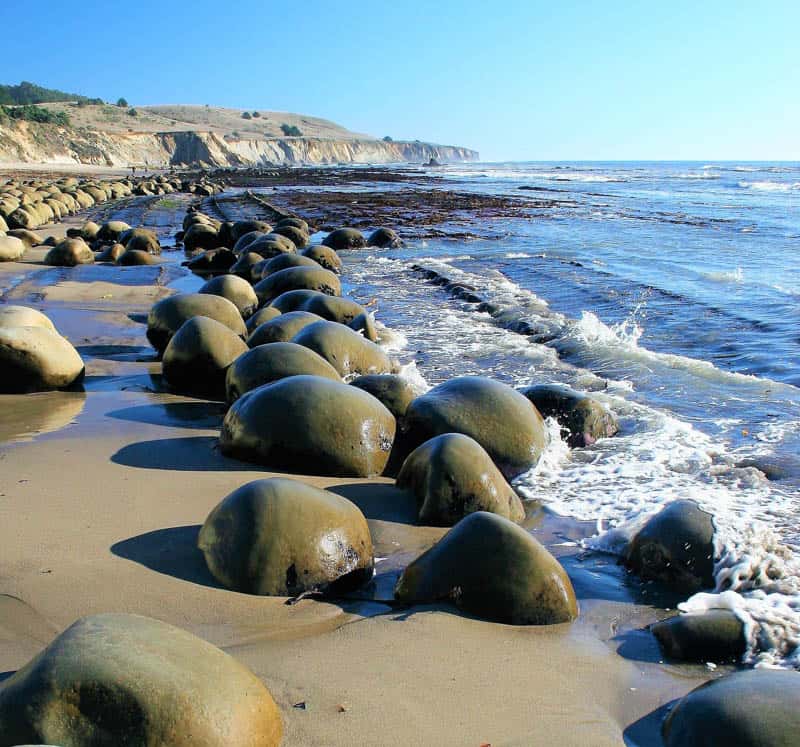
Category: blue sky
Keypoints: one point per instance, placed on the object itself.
(515, 80)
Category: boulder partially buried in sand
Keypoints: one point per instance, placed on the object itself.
(35, 359)
(69, 253)
(715, 635)
(238, 291)
(167, 316)
(11, 249)
(198, 355)
(452, 476)
(499, 418)
(489, 567)
(267, 363)
(310, 425)
(117, 679)
(280, 537)
(137, 258)
(392, 390)
(345, 238)
(756, 708)
(347, 351)
(675, 547)
(583, 418)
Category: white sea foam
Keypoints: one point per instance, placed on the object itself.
(767, 186)
(726, 276)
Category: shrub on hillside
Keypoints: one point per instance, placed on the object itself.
(291, 130)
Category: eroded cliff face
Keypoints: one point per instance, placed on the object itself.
(27, 142)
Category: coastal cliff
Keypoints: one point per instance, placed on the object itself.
(29, 142)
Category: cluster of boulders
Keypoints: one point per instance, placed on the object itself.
(34, 357)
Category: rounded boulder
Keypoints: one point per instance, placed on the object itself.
(297, 278)
(345, 238)
(347, 351)
(238, 291)
(282, 328)
(34, 359)
(69, 253)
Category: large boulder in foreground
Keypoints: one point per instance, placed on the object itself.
(582, 418)
(715, 635)
(167, 316)
(198, 355)
(675, 547)
(281, 537)
(489, 567)
(23, 316)
(35, 359)
(11, 248)
(297, 278)
(347, 351)
(238, 291)
(267, 363)
(345, 238)
(756, 708)
(310, 425)
(499, 418)
(117, 679)
(69, 253)
(452, 476)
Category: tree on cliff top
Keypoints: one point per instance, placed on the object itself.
(30, 93)
(291, 130)
(122, 103)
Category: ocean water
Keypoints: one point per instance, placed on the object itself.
(671, 291)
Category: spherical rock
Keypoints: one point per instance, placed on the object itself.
(296, 222)
(675, 547)
(109, 231)
(345, 238)
(69, 253)
(297, 278)
(11, 249)
(34, 359)
(346, 350)
(385, 238)
(243, 266)
(264, 364)
(280, 537)
(284, 261)
(452, 476)
(392, 390)
(167, 316)
(282, 328)
(29, 238)
(296, 235)
(716, 635)
(242, 227)
(308, 423)
(266, 314)
(142, 239)
(755, 708)
(136, 257)
(583, 418)
(212, 262)
(239, 292)
(198, 355)
(110, 253)
(325, 256)
(201, 236)
(117, 679)
(23, 316)
(490, 567)
(499, 418)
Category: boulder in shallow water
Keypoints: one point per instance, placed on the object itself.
(296, 235)
(756, 708)
(385, 238)
(281, 328)
(69, 253)
(347, 351)
(110, 253)
(283, 262)
(325, 256)
(23, 316)
(212, 262)
(715, 635)
(264, 364)
(238, 291)
(198, 355)
(243, 266)
(35, 359)
(117, 679)
(109, 231)
(675, 547)
(242, 227)
(582, 418)
(452, 476)
(392, 390)
(297, 278)
(11, 249)
(489, 567)
(345, 238)
(136, 258)
(280, 537)
(310, 425)
(498, 417)
(167, 316)
(142, 239)
(201, 236)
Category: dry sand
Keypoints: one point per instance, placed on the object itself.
(101, 497)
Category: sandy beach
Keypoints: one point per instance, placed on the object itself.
(103, 492)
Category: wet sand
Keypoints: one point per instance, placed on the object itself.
(102, 493)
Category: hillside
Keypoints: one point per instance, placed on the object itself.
(106, 135)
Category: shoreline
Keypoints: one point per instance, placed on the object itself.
(108, 525)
